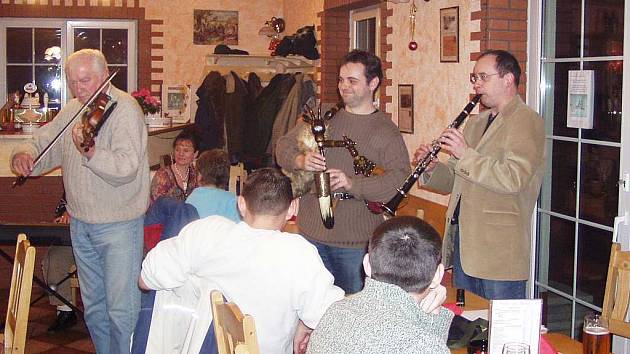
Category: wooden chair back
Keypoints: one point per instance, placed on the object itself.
(237, 177)
(617, 295)
(235, 332)
(19, 297)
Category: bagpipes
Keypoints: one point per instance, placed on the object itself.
(315, 138)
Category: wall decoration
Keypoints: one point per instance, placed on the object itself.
(405, 108)
(176, 101)
(449, 35)
(215, 27)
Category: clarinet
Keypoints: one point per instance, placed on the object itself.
(391, 206)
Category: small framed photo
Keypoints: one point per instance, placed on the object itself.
(176, 102)
(405, 108)
(449, 35)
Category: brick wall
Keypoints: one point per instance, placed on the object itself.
(503, 25)
(334, 44)
(149, 31)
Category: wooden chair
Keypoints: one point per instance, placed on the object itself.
(237, 177)
(14, 337)
(235, 333)
(617, 295)
(74, 284)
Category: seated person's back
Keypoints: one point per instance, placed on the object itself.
(403, 265)
(210, 197)
(276, 277)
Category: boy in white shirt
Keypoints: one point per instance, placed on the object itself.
(274, 276)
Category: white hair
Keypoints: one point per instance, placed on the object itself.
(95, 56)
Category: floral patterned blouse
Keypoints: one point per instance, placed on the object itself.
(165, 184)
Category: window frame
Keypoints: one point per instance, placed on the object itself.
(67, 44)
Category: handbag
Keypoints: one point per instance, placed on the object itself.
(464, 331)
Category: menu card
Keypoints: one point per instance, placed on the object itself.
(514, 321)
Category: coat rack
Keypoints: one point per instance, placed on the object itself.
(278, 65)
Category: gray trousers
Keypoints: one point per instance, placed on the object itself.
(55, 265)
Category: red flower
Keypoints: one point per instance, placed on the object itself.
(148, 103)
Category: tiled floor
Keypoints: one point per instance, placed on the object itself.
(75, 340)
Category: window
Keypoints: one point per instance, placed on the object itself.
(364, 34)
(33, 50)
(364, 29)
(580, 196)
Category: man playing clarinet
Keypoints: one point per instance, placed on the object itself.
(494, 176)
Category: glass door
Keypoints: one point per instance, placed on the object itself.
(581, 195)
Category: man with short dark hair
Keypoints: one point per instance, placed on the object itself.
(276, 277)
(494, 177)
(342, 248)
(390, 314)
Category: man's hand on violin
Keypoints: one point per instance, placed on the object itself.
(422, 151)
(338, 179)
(63, 219)
(453, 142)
(22, 163)
(77, 138)
(311, 161)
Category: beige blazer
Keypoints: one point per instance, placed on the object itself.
(498, 180)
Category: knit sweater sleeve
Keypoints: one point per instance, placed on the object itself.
(390, 153)
(118, 163)
(43, 136)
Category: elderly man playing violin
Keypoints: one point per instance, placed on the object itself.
(107, 190)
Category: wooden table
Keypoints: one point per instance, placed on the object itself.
(562, 343)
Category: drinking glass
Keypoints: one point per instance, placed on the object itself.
(595, 335)
(515, 348)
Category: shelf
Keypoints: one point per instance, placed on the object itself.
(276, 64)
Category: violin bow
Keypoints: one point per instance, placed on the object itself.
(21, 179)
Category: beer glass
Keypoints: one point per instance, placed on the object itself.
(515, 348)
(595, 335)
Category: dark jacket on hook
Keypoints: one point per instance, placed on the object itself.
(210, 111)
(262, 114)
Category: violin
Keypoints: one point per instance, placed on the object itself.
(21, 179)
(94, 118)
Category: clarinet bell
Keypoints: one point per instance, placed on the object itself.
(322, 186)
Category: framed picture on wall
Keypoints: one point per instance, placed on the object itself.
(176, 102)
(449, 35)
(215, 27)
(405, 108)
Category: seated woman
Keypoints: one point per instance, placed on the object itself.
(180, 178)
(211, 197)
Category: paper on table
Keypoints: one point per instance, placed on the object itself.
(475, 314)
(515, 321)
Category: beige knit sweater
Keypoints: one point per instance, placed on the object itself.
(114, 184)
(379, 140)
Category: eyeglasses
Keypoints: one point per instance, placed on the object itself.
(481, 76)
